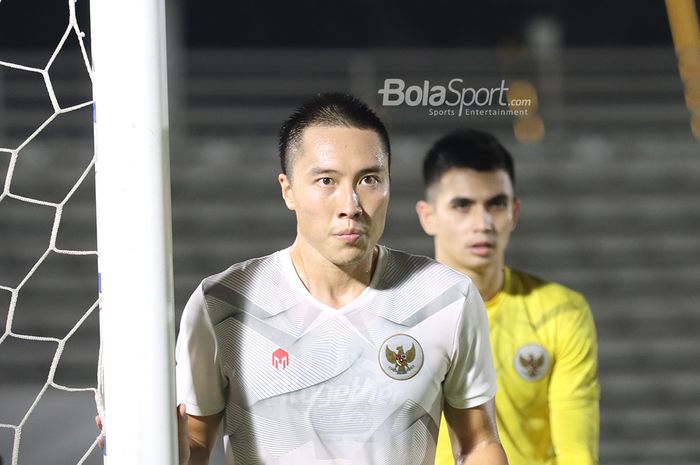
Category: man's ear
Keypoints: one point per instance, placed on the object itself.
(287, 194)
(426, 215)
(515, 213)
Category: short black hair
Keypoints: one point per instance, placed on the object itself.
(329, 109)
(466, 148)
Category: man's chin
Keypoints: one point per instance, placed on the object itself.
(479, 263)
(351, 254)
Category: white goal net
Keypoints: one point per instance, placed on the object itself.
(43, 169)
(66, 208)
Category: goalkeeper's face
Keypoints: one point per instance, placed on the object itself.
(338, 186)
(471, 214)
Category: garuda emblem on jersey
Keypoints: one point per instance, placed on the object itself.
(532, 362)
(401, 357)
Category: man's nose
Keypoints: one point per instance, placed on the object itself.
(482, 218)
(349, 203)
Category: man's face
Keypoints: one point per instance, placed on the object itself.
(471, 215)
(338, 186)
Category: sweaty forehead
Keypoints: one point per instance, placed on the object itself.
(326, 146)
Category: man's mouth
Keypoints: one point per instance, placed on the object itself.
(350, 235)
(481, 249)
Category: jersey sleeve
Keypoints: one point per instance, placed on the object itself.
(574, 391)
(471, 378)
(199, 379)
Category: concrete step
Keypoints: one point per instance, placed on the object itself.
(659, 353)
(662, 421)
(666, 451)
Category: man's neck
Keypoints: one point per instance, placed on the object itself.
(331, 284)
(489, 279)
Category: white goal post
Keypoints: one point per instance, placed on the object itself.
(134, 230)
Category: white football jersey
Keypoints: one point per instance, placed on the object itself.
(304, 383)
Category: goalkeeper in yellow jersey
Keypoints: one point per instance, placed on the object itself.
(542, 334)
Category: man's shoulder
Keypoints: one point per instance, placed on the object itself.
(549, 294)
(403, 267)
(421, 277)
(253, 286)
(414, 288)
(254, 268)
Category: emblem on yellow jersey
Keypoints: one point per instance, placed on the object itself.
(532, 362)
(401, 357)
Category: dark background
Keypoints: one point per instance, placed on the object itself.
(307, 23)
(610, 193)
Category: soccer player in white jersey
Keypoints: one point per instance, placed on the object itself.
(336, 350)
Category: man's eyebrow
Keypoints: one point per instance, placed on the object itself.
(498, 198)
(371, 169)
(468, 201)
(318, 170)
(461, 201)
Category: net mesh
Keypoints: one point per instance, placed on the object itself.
(12, 156)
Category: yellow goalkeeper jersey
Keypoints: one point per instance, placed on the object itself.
(544, 348)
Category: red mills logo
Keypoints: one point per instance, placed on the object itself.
(280, 359)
